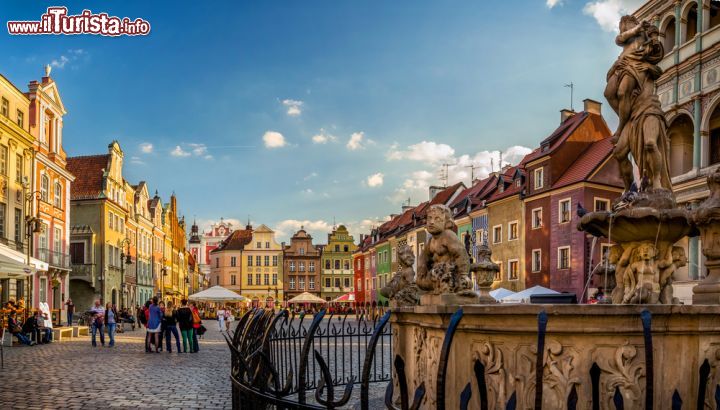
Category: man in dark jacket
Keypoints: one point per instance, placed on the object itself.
(32, 328)
(185, 320)
(14, 328)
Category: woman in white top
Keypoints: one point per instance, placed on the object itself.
(47, 323)
(221, 318)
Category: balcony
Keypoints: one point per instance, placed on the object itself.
(83, 271)
(57, 260)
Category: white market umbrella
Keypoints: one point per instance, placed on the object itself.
(306, 297)
(500, 293)
(524, 296)
(10, 268)
(217, 294)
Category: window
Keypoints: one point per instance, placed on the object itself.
(274, 282)
(337, 283)
(5, 108)
(498, 274)
(292, 266)
(301, 266)
(77, 253)
(275, 260)
(19, 168)
(57, 240)
(266, 279)
(20, 119)
(58, 195)
(346, 248)
(122, 225)
(43, 281)
(302, 284)
(311, 284)
(116, 221)
(536, 218)
(249, 260)
(357, 263)
(249, 278)
(497, 233)
(337, 263)
(217, 262)
(564, 213)
(359, 285)
(347, 282)
(233, 262)
(602, 204)
(347, 264)
(2, 220)
(44, 187)
(292, 283)
(536, 260)
(513, 269)
(394, 255)
(564, 257)
(267, 260)
(258, 245)
(337, 248)
(258, 260)
(327, 282)
(257, 279)
(267, 245)
(327, 263)
(233, 280)
(512, 231)
(311, 266)
(539, 178)
(3, 159)
(18, 225)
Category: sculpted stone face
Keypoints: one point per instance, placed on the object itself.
(646, 252)
(436, 221)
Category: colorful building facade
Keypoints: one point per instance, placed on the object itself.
(301, 266)
(337, 273)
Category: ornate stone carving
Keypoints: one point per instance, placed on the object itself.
(707, 219)
(622, 369)
(559, 374)
(443, 266)
(432, 357)
(485, 271)
(496, 374)
(419, 336)
(402, 289)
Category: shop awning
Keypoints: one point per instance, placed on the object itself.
(346, 298)
(21, 258)
(12, 269)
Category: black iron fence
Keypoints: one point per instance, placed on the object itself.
(271, 366)
(288, 361)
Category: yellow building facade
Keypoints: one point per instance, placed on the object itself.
(262, 268)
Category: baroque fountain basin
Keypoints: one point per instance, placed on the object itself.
(639, 224)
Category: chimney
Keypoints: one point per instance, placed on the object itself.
(406, 207)
(592, 106)
(565, 114)
(434, 190)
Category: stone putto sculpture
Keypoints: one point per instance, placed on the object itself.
(402, 290)
(443, 265)
(707, 219)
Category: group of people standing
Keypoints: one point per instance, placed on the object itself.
(162, 321)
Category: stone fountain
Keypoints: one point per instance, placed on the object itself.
(641, 351)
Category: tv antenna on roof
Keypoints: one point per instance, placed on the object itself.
(571, 86)
(445, 173)
(472, 172)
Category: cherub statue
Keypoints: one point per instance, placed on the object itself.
(402, 288)
(610, 270)
(641, 277)
(443, 265)
(677, 259)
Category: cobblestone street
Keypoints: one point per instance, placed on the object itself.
(72, 374)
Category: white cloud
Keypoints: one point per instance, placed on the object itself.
(357, 141)
(607, 13)
(273, 139)
(179, 152)
(323, 137)
(136, 161)
(425, 151)
(70, 56)
(375, 180)
(198, 149)
(146, 148)
(317, 229)
(310, 176)
(552, 3)
(307, 191)
(294, 107)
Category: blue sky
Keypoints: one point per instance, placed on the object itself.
(301, 112)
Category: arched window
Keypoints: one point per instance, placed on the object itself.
(713, 155)
(714, 14)
(680, 133)
(691, 23)
(669, 41)
(44, 187)
(58, 195)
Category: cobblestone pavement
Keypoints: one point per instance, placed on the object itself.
(72, 374)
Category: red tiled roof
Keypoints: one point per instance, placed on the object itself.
(586, 163)
(557, 137)
(236, 241)
(443, 196)
(88, 171)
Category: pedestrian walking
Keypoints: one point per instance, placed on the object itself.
(161, 305)
(229, 318)
(98, 322)
(185, 321)
(196, 327)
(221, 318)
(170, 320)
(154, 325)
(111, 318)
(70, 311)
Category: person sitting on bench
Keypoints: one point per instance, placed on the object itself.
(16, 330)
(32, 328)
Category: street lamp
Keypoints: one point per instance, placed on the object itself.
(125, 259)
(163, 270)
(33, 225)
